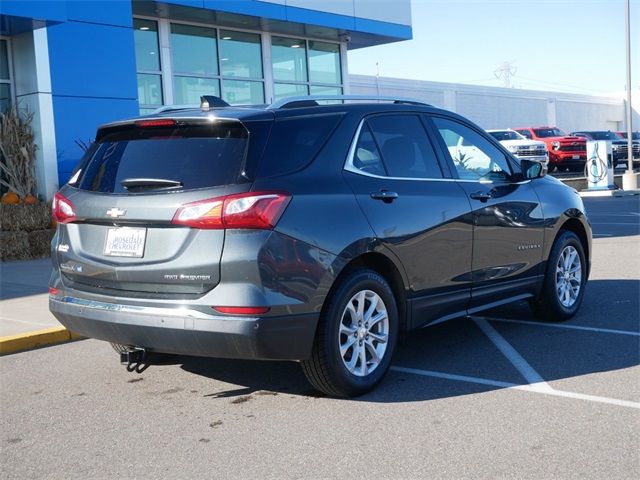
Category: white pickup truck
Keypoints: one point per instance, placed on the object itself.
(521, 146)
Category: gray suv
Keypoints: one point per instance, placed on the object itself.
(306, 231)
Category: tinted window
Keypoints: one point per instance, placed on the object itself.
(525, 133)
(406, 150)
(196, 156)
(548, 132)
(367, 157)
(294, 142)
(474, 157)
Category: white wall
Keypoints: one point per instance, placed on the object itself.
(495, 107)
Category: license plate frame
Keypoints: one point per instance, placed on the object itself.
(125, 242)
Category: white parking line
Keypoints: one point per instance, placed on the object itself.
(514, 386)
(527, 371)
(564, 325)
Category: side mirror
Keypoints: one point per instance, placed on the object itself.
(532, 169)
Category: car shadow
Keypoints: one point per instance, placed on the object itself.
(460, 348)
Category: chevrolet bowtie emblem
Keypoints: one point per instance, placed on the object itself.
(115, 212)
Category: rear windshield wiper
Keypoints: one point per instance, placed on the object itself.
(150, 183)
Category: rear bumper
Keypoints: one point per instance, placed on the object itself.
(189, 332)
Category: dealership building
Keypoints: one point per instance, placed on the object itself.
(78, 64)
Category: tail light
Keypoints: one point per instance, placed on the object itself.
(62, 209)
(255, 210)
(163, 122)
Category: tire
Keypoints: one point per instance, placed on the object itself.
(559, 300)
(345, 374)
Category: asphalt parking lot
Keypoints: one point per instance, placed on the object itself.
(492, 396)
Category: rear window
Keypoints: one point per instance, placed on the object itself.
(194, 156)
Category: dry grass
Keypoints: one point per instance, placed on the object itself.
(25, 218)
(17, 152)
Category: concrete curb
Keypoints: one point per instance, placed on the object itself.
(37, 338)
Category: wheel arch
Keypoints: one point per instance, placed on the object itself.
(575, 225)
(387, 268)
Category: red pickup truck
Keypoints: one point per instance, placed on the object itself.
(565, 151)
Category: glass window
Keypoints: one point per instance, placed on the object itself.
(406, 150)
(4, 61)
(321, 90)
(5, 97)
(210, 155)
(367, 157)
(289, 59)
(294, 143)
(194, 49)
(243, 92)
(474, 157)
(324, 62)
(146, 42)
(149, 89)
(188, 90)
(240, 54)
(283, 90)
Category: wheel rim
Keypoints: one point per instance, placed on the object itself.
(363, 333)
(568, 276)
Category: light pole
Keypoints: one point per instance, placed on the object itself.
(629, 179)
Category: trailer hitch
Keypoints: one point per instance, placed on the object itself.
(136, 359)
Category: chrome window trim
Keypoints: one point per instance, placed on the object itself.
(350, 167)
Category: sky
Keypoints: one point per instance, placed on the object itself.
(573, 46)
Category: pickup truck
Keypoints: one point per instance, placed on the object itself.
(566, 152)
(619, 147)
(521, 146)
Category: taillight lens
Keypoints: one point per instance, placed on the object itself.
(164, 122)
(62, 209)
(254, 210)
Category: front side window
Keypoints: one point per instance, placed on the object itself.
(474, 157)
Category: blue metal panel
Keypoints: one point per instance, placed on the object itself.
(90, 60)
(109, 12)
(77, 119)
(53, 10)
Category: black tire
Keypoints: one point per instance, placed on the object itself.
(325, 369)
(549, 306)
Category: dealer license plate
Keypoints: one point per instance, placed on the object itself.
(125, 242)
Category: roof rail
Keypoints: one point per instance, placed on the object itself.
(312, 100)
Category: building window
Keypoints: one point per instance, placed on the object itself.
(148, 65)
(5, 76)
(303, 67)
(177, 63)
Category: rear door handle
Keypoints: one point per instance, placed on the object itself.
(385, 195)
(482, 196)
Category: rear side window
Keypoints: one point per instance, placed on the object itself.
(195, 156)
(294, 142)
(405, 147)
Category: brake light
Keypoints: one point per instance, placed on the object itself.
(62, 209)
(254, 210)
(164, 122)
(242, 310)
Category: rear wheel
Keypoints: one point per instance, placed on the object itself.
(356, 336)
(564, 280)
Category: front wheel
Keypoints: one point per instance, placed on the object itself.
(564, 281)
(356, 336)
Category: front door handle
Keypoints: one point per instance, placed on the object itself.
(385, 195)
(482, 196)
